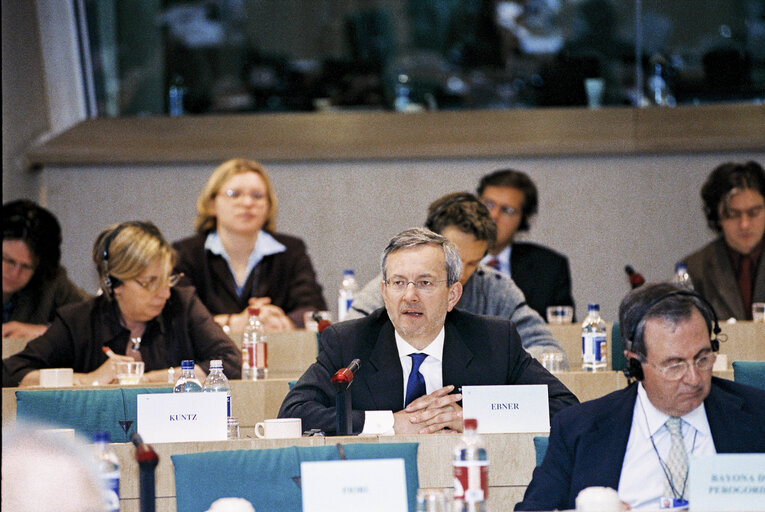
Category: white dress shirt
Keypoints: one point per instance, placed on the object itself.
(381, 422)
(503, 257)
(641, 483)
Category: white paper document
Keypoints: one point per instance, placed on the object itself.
(503, 409)
(727, 482)
(182, 417)
(374, 485)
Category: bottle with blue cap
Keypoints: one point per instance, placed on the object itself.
(593, 340)
(187, 382)
(348, 288)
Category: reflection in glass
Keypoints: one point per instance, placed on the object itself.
(159, 57)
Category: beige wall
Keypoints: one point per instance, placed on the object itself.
(603, 212)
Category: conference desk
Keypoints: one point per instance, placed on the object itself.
(746, 341)
(511, 457)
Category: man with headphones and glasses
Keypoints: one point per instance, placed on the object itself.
(465, 221)
(638, 440)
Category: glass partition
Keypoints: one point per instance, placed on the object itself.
(160, 57)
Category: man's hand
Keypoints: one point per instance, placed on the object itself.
(14, 329)
(430, 413)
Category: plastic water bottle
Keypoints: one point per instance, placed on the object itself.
(187, 382)
(345, 295)
(175, 97)
(471, 471)
(593, 340)
(254, 347)
(109, 470)
(681, 276)
(216, 381)
(402, 101)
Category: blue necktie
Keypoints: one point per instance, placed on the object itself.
(415, 388)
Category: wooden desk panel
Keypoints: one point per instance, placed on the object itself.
(746, 342)
(512, 460)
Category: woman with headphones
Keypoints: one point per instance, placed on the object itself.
(139, 316)
(34, 283)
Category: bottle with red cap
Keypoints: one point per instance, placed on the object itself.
(471, 470)
(254, 347)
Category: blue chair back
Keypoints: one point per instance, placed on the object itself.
(540, 446)
(87, 411)
(618, 361)
(270, 479)
(751, 373)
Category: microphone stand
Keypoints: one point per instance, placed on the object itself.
(342, 381)
(147, 462)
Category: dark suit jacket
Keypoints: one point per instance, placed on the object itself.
(478, 350)
(588, 442)
(287, 278)
(542, 275)
(713, 277)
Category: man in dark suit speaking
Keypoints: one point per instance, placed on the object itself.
(417, 351)
(637, 440)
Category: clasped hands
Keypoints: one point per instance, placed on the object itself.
(273, 317)
(430, 413)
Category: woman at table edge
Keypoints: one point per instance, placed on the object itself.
(139, 316)
(34, 282)
(237, 259)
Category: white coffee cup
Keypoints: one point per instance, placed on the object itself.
(279, 428)
(56, 377)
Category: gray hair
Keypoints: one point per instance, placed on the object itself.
(669, 302)
(414, 237)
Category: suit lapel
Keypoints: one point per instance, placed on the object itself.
(456, 357)
(221, 274)
(385, 377)
(722, 277)
(726, 416)
(610, 436)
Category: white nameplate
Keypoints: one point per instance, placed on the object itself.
(181, 417)
(375, 485)
(727, 482)
(502, 409)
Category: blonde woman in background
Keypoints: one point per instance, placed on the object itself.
(237, 258)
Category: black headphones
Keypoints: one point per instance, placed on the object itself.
(634, 366)
(111, 282)
(464, 197)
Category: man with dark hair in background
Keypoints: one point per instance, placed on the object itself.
(464, 220)
(541, 273)
(729, 272)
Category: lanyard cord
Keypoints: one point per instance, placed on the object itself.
(663, 464)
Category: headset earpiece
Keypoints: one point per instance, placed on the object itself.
(635, 368)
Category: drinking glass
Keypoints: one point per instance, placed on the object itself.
(129, 372)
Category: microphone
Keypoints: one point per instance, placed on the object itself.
(635, 278)
(344, 376)
(147, 462)
(342, 380)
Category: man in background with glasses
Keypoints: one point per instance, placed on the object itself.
(464, 220)
(638, 440)
(417, 352)
(730, 271)
(541, 273)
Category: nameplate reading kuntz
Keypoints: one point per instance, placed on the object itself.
(182, 417)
